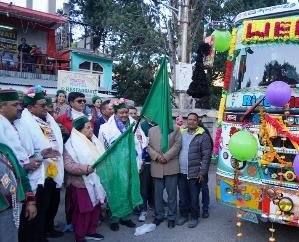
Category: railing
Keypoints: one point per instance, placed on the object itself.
(42, 64)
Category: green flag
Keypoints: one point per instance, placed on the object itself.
(157, 106)
(117, 169)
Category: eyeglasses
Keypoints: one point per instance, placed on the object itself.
(81, 101)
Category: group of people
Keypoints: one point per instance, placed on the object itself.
(29, 57)
(45, 145)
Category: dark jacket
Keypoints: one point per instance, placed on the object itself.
(97, 124)
(199, 153)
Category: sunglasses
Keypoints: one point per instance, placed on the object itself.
(81, 101)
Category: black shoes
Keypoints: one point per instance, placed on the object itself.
(157, 221)
(205, 214)
(129, 223)
(54, 234)
(171, 224)
(114, 226)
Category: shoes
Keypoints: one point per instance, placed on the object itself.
(129, 223)
(142, 217)
(96, 236)
(193, 223)
(54, 234)
(68, 228)
(157, 221)
(205, 214)
(182, 220)
(171, 224)
(114, 226)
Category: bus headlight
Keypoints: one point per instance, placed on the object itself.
(285, 204)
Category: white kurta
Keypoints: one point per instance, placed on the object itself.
(10, 137)
(40, 142)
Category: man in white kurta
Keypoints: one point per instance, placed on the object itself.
(108, 133)
(47, 145)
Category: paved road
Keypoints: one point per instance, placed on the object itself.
(220, 227)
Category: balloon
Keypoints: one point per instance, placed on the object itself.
(278, 93)
(296, 165)
(222, 40)
(243, 145)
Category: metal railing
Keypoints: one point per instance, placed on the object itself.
(39, 64)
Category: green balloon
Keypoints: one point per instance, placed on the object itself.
(243, 145)
(222, 40)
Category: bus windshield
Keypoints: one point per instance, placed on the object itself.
(261, 65)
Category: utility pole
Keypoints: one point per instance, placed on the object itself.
(184, 23)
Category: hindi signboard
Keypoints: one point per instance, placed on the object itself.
(71, 81)
(8, 38)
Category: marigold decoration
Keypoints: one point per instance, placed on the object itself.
(227, 77)
(266, 140)
(279, 127)
(221, 108)
(233, 42)
(271, 30)
(52, 170)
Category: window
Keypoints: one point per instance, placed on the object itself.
(92, 67)
(85, 66)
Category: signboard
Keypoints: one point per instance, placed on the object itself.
(183, 76)
(209, 60)
(271, 30)
(71, 81)
(8, 38)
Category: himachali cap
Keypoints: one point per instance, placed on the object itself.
(95, 98)
(30, 100)
(60, 91)
(79, 121)
(9, 95)
(49, 101)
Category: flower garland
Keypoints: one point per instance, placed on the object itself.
(276, 124)
(271, 30)
(221, 108)
(217, 141)
(233, 42)
(227, 77)
(35, 89)
(266, 140)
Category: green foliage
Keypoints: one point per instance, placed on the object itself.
(133, 81)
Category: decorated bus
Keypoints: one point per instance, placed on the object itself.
(257, 139)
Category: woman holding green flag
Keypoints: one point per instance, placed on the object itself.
(81, 150)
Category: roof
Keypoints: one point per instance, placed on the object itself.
(32, 15)
(91, 53)
(278, 10)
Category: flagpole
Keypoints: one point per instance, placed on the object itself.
(136, 126)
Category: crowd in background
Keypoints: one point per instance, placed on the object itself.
(54, 144)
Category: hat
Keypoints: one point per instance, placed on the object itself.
(121, 103)
(95, 98)
(79, 121)
(33, 94)
(9, 95)
(49, 101)
(60, 91)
